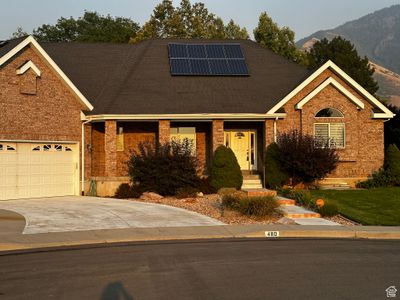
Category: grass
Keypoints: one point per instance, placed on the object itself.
(379, 206)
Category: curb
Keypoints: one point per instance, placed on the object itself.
(12, 243)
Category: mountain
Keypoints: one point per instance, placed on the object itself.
(376, 35)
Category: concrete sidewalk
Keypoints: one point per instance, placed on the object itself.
(14, 241)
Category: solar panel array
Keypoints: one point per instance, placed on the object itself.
(207, 60)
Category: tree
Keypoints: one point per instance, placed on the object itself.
(225, 170)
(392, 128)
(20, 32)
(344, 54)
(304, 158)
(392, 163)
(91, 27)
(187, 21)
(279, 40)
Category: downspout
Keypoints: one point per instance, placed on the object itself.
(83, 157)
(275, 138)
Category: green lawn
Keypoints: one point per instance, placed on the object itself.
(368, 207)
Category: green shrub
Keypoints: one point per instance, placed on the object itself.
(329, 209)
(302, 197)
(382, 178)
(392, 163)
(274, 176)
(164, 168)
(186, 192)
(225, 170)
(258, 206)
(126, 191)
(205, 187)
(252, 206)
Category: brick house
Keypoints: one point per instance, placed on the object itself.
(72, 112)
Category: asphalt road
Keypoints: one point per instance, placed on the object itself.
(240, 269)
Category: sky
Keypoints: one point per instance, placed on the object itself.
(303, 16)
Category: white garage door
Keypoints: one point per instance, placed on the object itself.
(30, 170)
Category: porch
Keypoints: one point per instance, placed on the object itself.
(109, 144)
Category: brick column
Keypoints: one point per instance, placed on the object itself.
(164, 127)
(217, 134)
(269, 132)
(110, 149)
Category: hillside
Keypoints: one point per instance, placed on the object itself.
(376, 35)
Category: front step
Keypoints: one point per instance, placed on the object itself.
(297, 212)
(259, 192)
(286, 202)
(251, 182)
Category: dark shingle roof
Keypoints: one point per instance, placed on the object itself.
(6, 46)
(136, 79)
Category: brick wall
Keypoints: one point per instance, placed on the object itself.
(49, 113)
(364, 151)
(97, 151)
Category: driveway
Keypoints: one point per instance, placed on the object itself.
(62, 214)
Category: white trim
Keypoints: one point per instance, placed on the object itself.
(347, 78)
(330, 81)
(183, 116)
(329, 132)
(30, 40)
(27, 66)
(40, 141)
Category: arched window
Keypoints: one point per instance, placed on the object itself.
(329, 113)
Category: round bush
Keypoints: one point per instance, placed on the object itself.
(225, 170)
(392, 163)
(274, 176)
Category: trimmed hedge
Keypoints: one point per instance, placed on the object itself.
(251, 206)
(274, 176)
(225, 170)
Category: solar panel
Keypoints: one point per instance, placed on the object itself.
(177, 50)
(200, 67)
(196, 51)
(207, 60)
(180, 67)
(238, 67)
(233, 51)
(215, 51)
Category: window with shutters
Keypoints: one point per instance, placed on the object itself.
(330, 134)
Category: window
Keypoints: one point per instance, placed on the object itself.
(36, 148)
(332, 134)
(58, 147)
(120, 139)
(47, 148)
(68, 148)
(329, 113)
(181, 133)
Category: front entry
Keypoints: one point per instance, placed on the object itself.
(243, 144)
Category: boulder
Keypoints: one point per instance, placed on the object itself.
(151, 196)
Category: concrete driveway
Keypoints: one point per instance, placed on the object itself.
(61, 214)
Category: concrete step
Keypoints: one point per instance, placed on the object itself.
(251, 177)
(250, 181)
(259, 192)
(334, 187)
(286, 202)
(252, 187)
(297, 212)
(314, 221)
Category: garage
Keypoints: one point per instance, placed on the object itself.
(29, 170)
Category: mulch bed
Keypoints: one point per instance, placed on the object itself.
(210, 205)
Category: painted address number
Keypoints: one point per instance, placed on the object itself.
(272, 234)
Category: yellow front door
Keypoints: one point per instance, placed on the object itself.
(243, 144)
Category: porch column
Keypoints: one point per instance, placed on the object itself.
(217, 134)
(110, 149)
(164, 127)
(269, 132)
(87, 151)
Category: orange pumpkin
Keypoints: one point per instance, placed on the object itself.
(320, 202)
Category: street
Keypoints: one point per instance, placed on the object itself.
(213, 269)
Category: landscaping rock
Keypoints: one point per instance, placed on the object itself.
(151, 196)
(200, 194)
(286, 221)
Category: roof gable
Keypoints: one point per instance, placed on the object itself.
(31, 41)
(385, 112)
